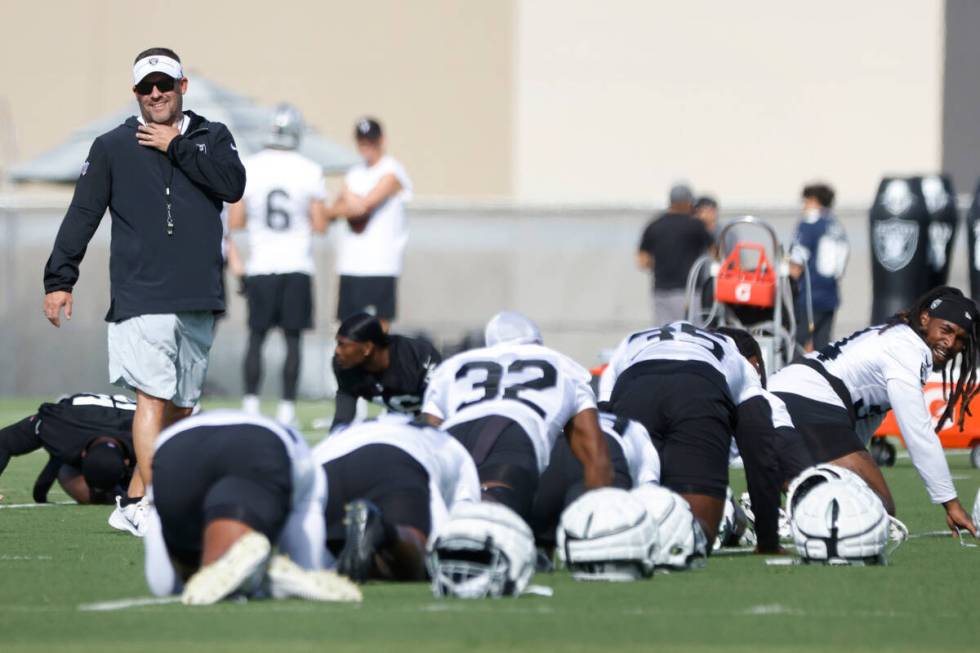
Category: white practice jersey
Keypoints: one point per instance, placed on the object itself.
(881, 369)
(682, 341)
(376, 251)
(641, 456)
(304, 472)
(537, 387)
(280, 187)
(452, 473)
(303, 535)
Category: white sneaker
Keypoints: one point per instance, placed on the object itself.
(286, 413)
(289, 580)
(237, 569)
(131, 518)
(251, 405)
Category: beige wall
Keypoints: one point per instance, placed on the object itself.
(574, 101)
(617, 99)
(437, 72)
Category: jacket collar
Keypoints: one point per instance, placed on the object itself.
(192, 122)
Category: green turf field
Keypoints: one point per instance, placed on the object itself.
(55, 559)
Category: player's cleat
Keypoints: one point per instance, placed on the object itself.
(131, 517)
(365, 533)
(288, 580)
(237, 569)
(785, 530)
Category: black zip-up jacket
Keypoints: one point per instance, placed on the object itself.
(165, 255)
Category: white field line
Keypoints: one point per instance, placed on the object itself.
(122, 604)
(4, 506)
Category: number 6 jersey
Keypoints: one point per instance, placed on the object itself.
(281, 186)
(537, 387)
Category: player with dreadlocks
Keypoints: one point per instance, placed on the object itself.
(838, 396)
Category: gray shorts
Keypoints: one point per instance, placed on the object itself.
(669, 306)
(164, 356)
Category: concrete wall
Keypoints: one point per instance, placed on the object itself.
(572, 270)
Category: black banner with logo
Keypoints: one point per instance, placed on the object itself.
(973, 242)
(913, 226)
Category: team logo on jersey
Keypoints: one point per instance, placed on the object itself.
(84, 168)
(203, 147)
(895, 242)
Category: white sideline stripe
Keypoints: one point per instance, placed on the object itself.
(122, 604)
(904, 455)
(17, 557)
(37, 505)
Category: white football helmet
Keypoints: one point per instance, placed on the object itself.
(841, 522)
(811, 477)
(483, 550)
(606, 534)
(286, 128)
(680, 541)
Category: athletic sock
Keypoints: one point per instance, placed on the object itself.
(127, 501)
(286, 413)
(251, 405)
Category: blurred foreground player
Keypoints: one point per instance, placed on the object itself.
(508, 402)
(89, 441)
(839, 395)
(227, 488)
(391, 484)
(693, 391)
(282, 208)
(632, 455)
(370, 364)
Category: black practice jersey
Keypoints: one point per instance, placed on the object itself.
(400, 387)
(67, 426)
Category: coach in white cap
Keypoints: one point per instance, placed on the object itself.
(163, 175)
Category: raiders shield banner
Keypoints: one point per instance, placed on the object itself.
(895, 242)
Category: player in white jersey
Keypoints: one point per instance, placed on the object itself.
(372, 242)
(283, 206)
(227, 487)
(634, 461)
(391, 483)
(508, 402)
(838, 396)
(693, 391)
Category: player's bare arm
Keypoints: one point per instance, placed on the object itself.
(236, 215)
(643, 260)
(589, 446)
(957, 518)
(319, 216)
(386, 187)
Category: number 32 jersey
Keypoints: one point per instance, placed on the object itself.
(537, 387)
(682, 341)
(280, 186)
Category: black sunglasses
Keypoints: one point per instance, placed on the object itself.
(164, 85)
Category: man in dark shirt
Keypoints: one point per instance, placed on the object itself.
(670, 245)
(89, 442)
(386, 369)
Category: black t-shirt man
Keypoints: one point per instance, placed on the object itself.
(674, 241)
(400, 387)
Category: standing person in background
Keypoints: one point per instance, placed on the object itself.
(369, 258)
(163, 175)
(669, 247)
(282, 208)
(820, 244)
(706, 210)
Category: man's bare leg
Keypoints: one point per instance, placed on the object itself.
(219, 535)
(147, 423)
(708, 511)
(233, 558)
(403, 559)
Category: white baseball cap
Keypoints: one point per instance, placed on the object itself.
(157, 63)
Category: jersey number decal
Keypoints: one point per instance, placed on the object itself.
(697, 336)
(276, 216)
(491, 386)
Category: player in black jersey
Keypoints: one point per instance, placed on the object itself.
(387, 369)
(89, 440)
